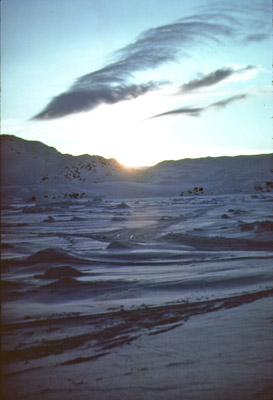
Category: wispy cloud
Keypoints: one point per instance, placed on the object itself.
(256, 37)
(196, 111)
(153, 48)
(214, 77)
(78, 100)
(223, 103)
(157, 46)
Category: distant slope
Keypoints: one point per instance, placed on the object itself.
(30, 162)
(30, 165)
(218, 174)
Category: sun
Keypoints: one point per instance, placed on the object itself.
(122, 131)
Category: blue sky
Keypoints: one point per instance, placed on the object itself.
(140, 81)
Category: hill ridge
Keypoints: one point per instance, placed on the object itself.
(31, 163)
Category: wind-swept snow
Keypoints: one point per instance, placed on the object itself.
(127, 289)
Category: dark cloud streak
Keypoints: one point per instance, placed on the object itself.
(213, 78)
(223, 103)
(196, 111)
(84, 100)
(256, 37)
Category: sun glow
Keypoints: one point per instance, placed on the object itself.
(126, 132)
(121, 131)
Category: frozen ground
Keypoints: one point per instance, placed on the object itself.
(140, 298)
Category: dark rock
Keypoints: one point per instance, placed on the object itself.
(246, 227)
(77, 219)
(49, 219)
(122, 205)
(6, 246)
(225, 216)
(116, 245)
(119, 219)
(59, 272)
(64, 282)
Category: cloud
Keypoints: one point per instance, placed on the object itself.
(116, 81)
(83, 100)
(256, 37)
(223, 103)
(196, 111)
(190, 111)
(153, 48)
(214, 77)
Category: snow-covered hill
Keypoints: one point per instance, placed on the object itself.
(217, 174)
(31, 162)
(32, 167)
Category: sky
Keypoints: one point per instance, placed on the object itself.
(140, 81)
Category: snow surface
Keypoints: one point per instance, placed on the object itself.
(124, 289)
